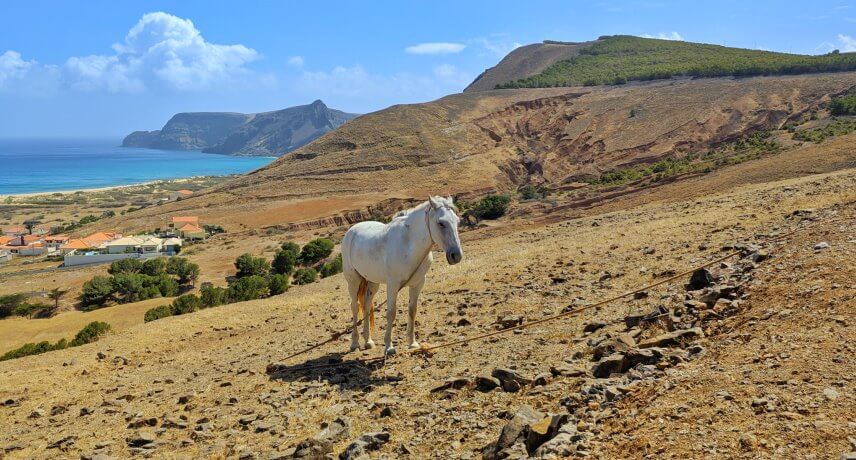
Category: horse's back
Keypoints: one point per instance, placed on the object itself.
(363, 250)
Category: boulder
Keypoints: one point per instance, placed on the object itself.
(672, 338)
(612, 364)
(514, 431)
(700, 279)
(510, 380)
(543, 431)
(486, 383)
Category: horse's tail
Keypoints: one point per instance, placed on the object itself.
(363, 309)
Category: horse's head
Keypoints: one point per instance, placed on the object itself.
(443, 223)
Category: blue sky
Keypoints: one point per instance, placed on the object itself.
(105, 68)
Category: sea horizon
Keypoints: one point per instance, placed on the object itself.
(68, 164)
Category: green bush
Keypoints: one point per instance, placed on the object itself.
(214, 296)
(33, 349)
(316, 250)
(332, 267)
(532, 192)
(187, 303)
(284, 262)
(129, 287)
(838, 127)
(125, 266)
(248, 288)
(186, 272)
(31, 309)
(157, 313)
(619, 59)
(491, 207)
(97, 292)
(8, 304)
(154, 267)
(305, 276)
(278, 284)
(247, 265)
(166, 285)
(844, 105)
(90, 333)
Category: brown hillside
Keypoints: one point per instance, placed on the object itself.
(525, 61)
(473, 143)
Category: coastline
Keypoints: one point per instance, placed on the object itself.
(114, 187)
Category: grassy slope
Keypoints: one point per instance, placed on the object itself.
(619, 59)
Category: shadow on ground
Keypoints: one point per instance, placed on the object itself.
(346, 374)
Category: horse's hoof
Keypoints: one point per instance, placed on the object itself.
(414, 345)
(354, 347)
(390, 351)
(369, 345)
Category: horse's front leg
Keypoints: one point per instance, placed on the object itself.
(391, 298)
(411, 315)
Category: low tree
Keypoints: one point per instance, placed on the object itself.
(8, 304)
(284, 262)
(305, 276)
(157, 313)
(56, 294)
(90, 333)
(491, 207)
(316, 250)
(248, 288)
(187, 303)
(278, 284)
(97, 292)
(214, 296)
(154, 267)
(122, 266)
(183, 269)
(130, 287)
(332, 267)
(291, 246)
(247, 265)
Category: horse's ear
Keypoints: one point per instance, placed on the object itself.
(434, 203)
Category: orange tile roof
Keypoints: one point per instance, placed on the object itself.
(185, 192)
(15, 229)
(56, 238)
(190, 228)
(27, 239)
(5, 239)
(185, 219)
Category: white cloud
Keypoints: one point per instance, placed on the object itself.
(666, 36)
(848, 43)
(12, 66)
(296, 61)
(161, 50)
(435, 48)
(498, 47)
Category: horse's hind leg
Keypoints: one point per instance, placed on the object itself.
(368, 314)
(411, 315)
(354, 280)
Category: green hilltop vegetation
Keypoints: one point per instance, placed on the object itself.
(618, 59)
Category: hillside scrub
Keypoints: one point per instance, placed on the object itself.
(621, 58)
(90, 333)
(332, 267)
(10, 303)
(838, 127)
(132, 281)
(247, 265)
(844, 105)
(491, 207)
(316, 251)
(748, 148)
(278, 284)
(187, 303)
(305, 276)
(285, 260)
(157, 313)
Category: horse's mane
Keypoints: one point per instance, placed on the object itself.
(444, 201)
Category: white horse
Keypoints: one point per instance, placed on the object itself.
(397, 254)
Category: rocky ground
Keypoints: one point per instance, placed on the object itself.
(754, 358)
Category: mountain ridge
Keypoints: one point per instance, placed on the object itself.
(256, 134)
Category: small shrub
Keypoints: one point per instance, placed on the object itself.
(316, 250)
(305, 276)
(844, 105)
(278, 284)
(8, 304)
(247, 265)
(185, 271)
(154, 267)
(532, 192)
(97, 292)
(248, 288)
(90, 333)
(284, 262)
(332, 267)
(166, 286)
(187, 303)
(491, 207)
(157, 313)
(29, 349)
(291, 246)
(214, 296)
(125, 266)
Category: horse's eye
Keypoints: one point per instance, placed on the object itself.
(441, 224)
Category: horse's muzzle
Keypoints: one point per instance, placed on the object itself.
(454, 257)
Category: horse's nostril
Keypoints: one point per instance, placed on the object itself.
(453, 257)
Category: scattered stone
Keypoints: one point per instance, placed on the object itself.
(184, 399)
(543, 430)
(386, 412)
(366, 443)
(321, 444)
(759, 256)
(562, 445)
(821, 245)
(612, 364)
(648, 251)
(593, 326)
(513, 431)
(830, 394)
(509, 321)
(63, 443)
(700, 279)
(141, 438)
(567, 370)
(672, 338)
(487, 383)
(37, 413)
(84, 411)
(509, 380)
(455, 383)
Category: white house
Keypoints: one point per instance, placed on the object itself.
(141, 244)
